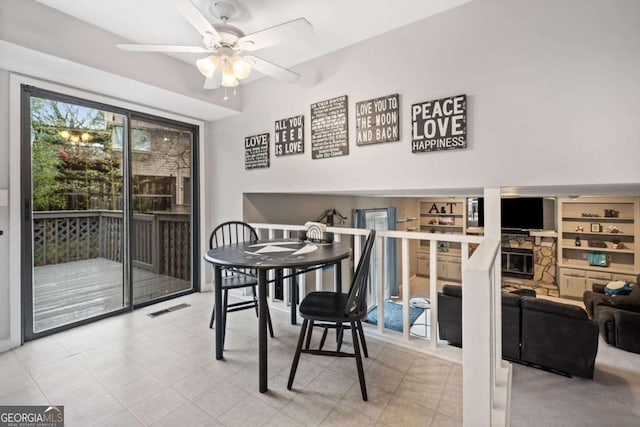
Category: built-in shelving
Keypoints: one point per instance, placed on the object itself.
(575, 273)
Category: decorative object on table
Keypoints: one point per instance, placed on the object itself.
(611, 213)
(443, 246)
(577, 242)
(597, 259)
(579, 228)
(596, 227)
(317, 232)
(613, 229)
(595, 243)
(446, 220)
(225, 46)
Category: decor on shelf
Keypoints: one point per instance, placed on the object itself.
(611, 213)
(446, 220)
(579, 228)
(226, 45)
(577, 242)
(597, 259)
(590, 215)
(594, 243)
(596, 227)
(613, 229)
(443, 246)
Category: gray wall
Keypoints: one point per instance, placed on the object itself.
(552, 89)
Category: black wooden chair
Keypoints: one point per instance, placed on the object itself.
(234, 278)
(336, 310)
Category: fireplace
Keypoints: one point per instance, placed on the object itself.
(517, 262)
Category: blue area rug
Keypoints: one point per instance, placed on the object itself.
(393, 315)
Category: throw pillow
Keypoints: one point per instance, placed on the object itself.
(619, 287)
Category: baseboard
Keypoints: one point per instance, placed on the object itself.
(8, 344)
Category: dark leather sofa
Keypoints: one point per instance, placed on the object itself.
(618, 316)
(538, 332)
(450, 320)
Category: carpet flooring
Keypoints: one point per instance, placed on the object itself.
(612, 398)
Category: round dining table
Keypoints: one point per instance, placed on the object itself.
(265, 255)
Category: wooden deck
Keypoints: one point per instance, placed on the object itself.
(72, 291)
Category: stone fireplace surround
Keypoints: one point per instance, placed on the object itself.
(544, 261)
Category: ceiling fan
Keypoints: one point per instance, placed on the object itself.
(227, 44)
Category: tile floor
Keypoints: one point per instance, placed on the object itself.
(134, 370)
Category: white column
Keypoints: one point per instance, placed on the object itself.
(433, 292)
(405, 288)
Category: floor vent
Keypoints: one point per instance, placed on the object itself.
(168, 310)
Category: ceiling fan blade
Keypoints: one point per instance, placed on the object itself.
(192, 14)
(212, 82)
(291, 30)
(271, 69)
(161, 48)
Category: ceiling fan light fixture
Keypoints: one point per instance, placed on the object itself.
(207, 66)
(228, 78)
(241, 68)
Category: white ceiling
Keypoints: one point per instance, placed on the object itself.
(337, 23)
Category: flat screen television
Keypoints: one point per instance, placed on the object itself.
(523, 213)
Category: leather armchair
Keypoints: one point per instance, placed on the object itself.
(618, 317)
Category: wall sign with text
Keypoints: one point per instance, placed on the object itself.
(329, 128)
(289, 136)
(439, 125)
(256, 151)
(378, 120)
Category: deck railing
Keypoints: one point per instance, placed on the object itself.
(160, 242)
(485, 376)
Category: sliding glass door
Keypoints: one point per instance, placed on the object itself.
(161, 225)
(108, 222)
